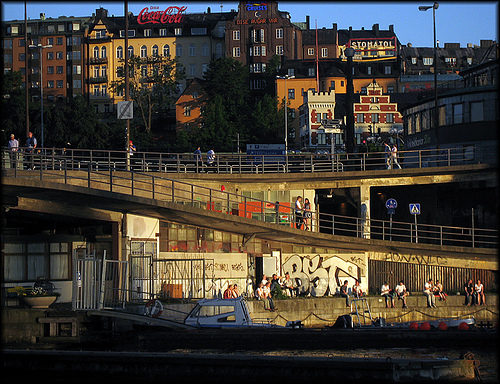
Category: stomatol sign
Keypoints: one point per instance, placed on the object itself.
(152, 15)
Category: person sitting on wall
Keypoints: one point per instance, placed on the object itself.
(228, 293)
(344, 293)
(357, 290)
(401, 293)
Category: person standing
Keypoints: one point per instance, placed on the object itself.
(307, 214)
(31, 144)
(394, 155)
(388, 156)
(469, 290)
(210, 158)
(431, 299)
(197, 156)
(298, 213)
(13, 148)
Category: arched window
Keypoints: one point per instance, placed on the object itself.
(166, 50)
(103, 52)
(144, 51)
(119, 52)
(130, 51)
(154, 50)
(96, 52)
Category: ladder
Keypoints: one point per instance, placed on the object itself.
(362, 307)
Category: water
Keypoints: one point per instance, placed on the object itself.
(487, 358)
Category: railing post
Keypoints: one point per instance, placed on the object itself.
(173, 193)
(132, 183)
(110, 180)
(153, 185)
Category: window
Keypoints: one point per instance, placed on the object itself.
(414, 60)
(279, 33)
(59, 41)
(457, 113)
(50, 41)
(77, 84)
(236, 52)
(256, 51)
(50, 70)
(163, 32)
(59, 69)
(104, 70)
(198, 31)
(187, 111)
(103, 52)
(50, 84)
(279, 50)
(192, 70)
(119, 52)
(178, 50)
(96, 52)
(310, 51)
(50, 55)
(178, 31)
(144, 51)
(428, 60)
(324, 52)
(166, 50)
(390, 118)
(476, 111)
(374, 117)
(262, 39)
(76, 27)
(204, 50)
(131, 33)
(390, 89)
(291, 94)
(144, 70)
(60, 28)
(154, 50)
(263, 50)
(104, 90)
(360, 118)
(59, 55)
(387, 70)
(96, 71)
(236, 35)
(192, 50)
(130, 51)
(97, 90)
(369, 70)
(311, 72)
(59, 83)
(22, 57)
(147, 32)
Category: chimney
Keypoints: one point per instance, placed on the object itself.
(209, 10)
(391, 28)
(308, 19)
(375, 29)
(350, 32)
(101, 13)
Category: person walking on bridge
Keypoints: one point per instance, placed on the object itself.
(394, 155)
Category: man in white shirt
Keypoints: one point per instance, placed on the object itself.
(431, 299)
(401, 293)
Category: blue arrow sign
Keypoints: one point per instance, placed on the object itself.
(391, 204)
(415, 209)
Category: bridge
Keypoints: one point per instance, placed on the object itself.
(188, 196)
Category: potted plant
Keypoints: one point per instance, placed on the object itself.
(38, 297)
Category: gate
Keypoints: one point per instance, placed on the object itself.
(99, 283)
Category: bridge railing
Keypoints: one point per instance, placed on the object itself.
(237, 163)
(156, 186)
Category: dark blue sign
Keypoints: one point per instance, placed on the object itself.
(391, 204)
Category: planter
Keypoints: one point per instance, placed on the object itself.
(39, 301)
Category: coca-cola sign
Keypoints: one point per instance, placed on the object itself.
(171, 15)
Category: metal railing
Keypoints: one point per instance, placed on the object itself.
(156, 186)
(229, 163)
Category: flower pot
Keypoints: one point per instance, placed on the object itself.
(39, 301)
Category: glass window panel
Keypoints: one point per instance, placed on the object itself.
(13, 248)
(59, 267)
(36, 266)
(13, 268)
(36, 247)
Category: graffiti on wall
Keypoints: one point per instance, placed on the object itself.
(322, 275)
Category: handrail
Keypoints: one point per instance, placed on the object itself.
(237, 163)
(156, 186)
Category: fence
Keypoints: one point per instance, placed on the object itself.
(234, 163)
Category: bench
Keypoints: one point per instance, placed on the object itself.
(56, 322)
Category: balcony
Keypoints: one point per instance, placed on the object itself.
(98, 60)
(99, 79)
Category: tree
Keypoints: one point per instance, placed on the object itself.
(153, 84)
(13, 107)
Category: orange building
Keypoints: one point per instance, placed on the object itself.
(189, 105)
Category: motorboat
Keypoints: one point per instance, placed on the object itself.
(224, 313)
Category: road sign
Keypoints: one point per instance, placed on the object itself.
(125, 109)
(415, 209)
(391, 204)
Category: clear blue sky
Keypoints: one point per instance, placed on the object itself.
(456, 22)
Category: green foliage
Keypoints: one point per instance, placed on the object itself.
(13, 107)
(153, 85)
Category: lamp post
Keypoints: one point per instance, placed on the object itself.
(349, 53)
(436, 117)
(286, 77)
(41, 47)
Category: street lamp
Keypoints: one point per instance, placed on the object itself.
(286, 77)
(436, 117)
(349, 53)
(41, 47)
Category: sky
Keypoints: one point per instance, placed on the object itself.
(456, 22)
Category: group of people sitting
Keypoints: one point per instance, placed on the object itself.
(390, 294)
(231, 292)
(474, 293)
(267, 289)
(356, 292)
